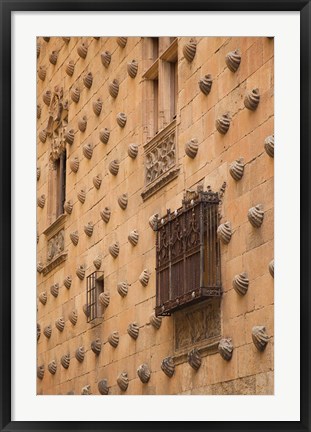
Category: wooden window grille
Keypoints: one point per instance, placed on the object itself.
(188, 253)
(94, 286)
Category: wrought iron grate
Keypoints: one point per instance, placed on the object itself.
(94, 286)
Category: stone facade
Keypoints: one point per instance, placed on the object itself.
(151, 108)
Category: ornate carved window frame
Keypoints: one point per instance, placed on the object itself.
(56, 253)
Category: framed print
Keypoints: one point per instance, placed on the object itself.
(143, 249)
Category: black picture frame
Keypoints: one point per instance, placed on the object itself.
(6, 8)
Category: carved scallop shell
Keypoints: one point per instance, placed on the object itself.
(96, 346)
(80, 272)
(240, 283)
(74, 237)
(68, 206)
(54, 290)
(224, 232)
(144, 373)
(82, 124)
(46, 39)
(74, 164)
(97, 262)
(70, 136)
(38, 111)
(255, 215)
(123, 381)
(88, 229)
(121, 119)
(65, 361)
(97, 106)
(155, 321)
(70, 68)
(205, 84)
(52, 367)
(223, 123)
(86, 390)
(66, 39)
(73, 317)
(144, 277)
(68, 281)
(104, 135)
(114, 88)
(122, 201)
(82, 50)
(81, 195)
(43, 135)
(236, 169)
(41, 201)
(114, 249)
(60, 324)
(189, 50)
(47, 331)
(113, 339)
(103, 387)
(271, 268)
(47, 97)
(86, 310)
(122, 288)
(106, 58)
(132, 150)
(80, 354)
(191, 148)
(105, 214)
(133, 330)
(269, 146)
(122, 41)
(42, 73)
(153, 222)
(38, 331)
(133, 237)
(260, 337)
(88, 80)
(75, 94)
(104, 298)
(40, 372)
(168, 366)
(233, 60)
(252, 99)
(38, 50)
(194, 359)
(132, 68)
(114, 167)
(225, 348)
(97, 181)
(43, 297)
(39, 267)
(53, 57)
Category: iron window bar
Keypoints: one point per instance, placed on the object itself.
(94, 286)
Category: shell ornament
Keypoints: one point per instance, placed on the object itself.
(42, 72)
(225, 348)
(155, 321)
(81, 195)
(114, 249)
(121, 119)
(68, 207)
(88, 80)
(122, 288)
(74, 237)
(223, 123)
(168, 366)
(205, 84)
(104, 135)
(80, 272)
(256, 215)
(271, 268)
(96, 346)
(88, 229)
(74, 164)
(133, 330)
(144, 373)
(97, 262)
(123, 381)
(68, 281)
(132, 150)
(97, 181)
(114, 88)
(132, 68)
(104, 298)
(65, 361)
(97, 106)
(224, 232)
(73, 317)
(80, 354)
(47, 331)
(54, 290)
(114, 167)
(233, 60)
(269, 146)
(144, 277)
(82, 50)
(252, 99)
(70, 136)
(194, 359)
(82, 124)
(189, 50)
(240, 283)
(53, 57)
(47, 96)
(113, 339)
(43, 136)
(75, 94)
(70, 68)
(236, 169)
(106, 58)
(40, 372)
(88, 150)
(153, 222)
(122, 41)
(52, 367)
(60, 324)
(260, 337)
(191, 148)
(123, 200)
(103, 387)
(133, 237)
(41, 201)
(105, 214)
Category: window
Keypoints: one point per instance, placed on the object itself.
(60, 184)
(94, 286)
(188, 253)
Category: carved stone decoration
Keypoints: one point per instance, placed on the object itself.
(82, 124)
(104, 135)
(66, 39)
(205, 84)
(39, 267)
(104, 298)
(43, 297)
(252, 99)
(133, 237)
(236, 169)
(52, 367)
(70, 136)
(121, 119)
(88, 80)
(80, 354)
(225, 348)
(189, 50)
(223, 123)
(168, 366)
(96, 346)
(60, 324)
(70, 68)
(114, 88)
(86, 390)
(123, 200)
(38, 111)
(153, 222)
(88, 229)
(47, 331)
(73, 317)
(68, 281)
(97, 262)
(97, 106)
(103, 387)
(40, 372)
(191, 148)
(240, 283)
(224, 232)
(54, 290)
(132, 68)
(46, 39)
(65, 361)
(114, 249)
(75, 94)
(41, 201)
(86, 310)
(68, 206)
(113, 339)
(271, 268)
(47, 96)
(122, 288)
(123, 381)
(55, 245)
(53, 57)
(155, 321)
(132, 150)
(80, 272)
(74, 237)
(38, 50)
(81, 195)
(269, 146)
(144, 277)
(43, 135)
(233, 60)
(194, 359)
(74, 164)
(106, 58)
(38, 331)
(82, 50)
(122, 41)
(260, 337)
(105, 214)
(42, 72)
(144, 373)
(133, 330)
(114, 167)
(38, 173)
(255, 215)
(97, 181)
